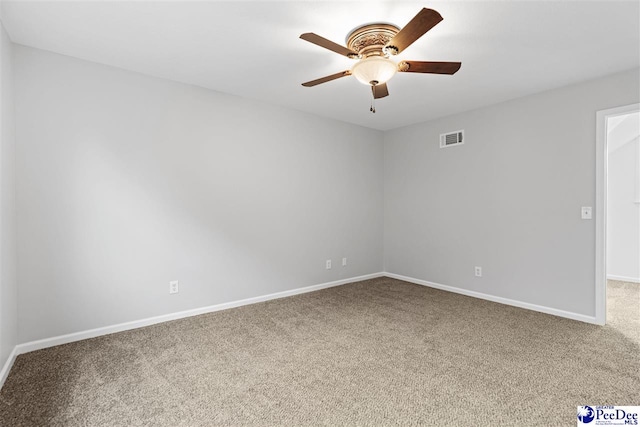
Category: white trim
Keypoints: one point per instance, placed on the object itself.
(501, 300)
(623, 278)
(92, 333)
(601, 207)
(4, 373)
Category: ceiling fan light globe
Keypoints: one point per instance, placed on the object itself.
(374, 68)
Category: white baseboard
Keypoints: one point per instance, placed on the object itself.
(501, 300)
(4, 373)
(92, 333)
(623, 278)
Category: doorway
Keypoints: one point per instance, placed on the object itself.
(617, 208)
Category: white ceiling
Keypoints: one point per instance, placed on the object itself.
(508, 49)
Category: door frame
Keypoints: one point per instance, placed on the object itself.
(602, 117)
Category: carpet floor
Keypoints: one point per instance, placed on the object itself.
(377, 352)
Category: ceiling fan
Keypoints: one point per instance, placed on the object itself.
(374, 44)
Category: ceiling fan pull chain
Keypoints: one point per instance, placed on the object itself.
(373, 99)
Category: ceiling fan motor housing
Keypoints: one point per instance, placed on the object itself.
(371, 39)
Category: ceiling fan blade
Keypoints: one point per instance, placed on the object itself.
(431, 67)
(425, 20)
(328, 44)
(380, 91)
(327, 78)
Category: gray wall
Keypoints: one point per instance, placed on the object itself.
(8, 281)
(508, 200)
(126, 182)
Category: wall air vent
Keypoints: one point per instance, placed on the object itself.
(452, 138)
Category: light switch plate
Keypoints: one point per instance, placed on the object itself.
(586, 212)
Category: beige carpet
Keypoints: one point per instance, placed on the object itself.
(378, 352)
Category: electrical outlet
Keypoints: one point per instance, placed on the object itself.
(344, 262)
(173, 287)
(478, 271)
(328, 265)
